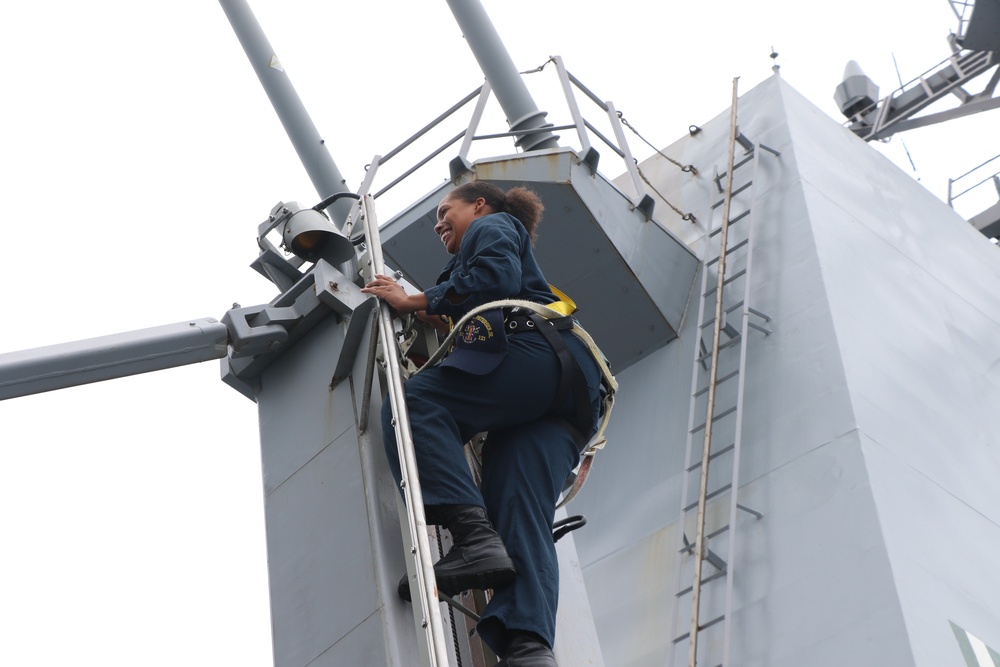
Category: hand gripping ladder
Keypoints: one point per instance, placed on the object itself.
(715, 420)
(430, 624)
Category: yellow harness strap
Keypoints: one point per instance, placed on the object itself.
(564, 305)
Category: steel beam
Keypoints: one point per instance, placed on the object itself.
(107, 357)
(311, 149)
(489, 51)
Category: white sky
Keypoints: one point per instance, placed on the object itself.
(138, 153)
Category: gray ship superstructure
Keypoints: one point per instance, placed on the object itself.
(802, 454)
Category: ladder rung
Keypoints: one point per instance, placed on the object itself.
(727, 329)
(713, 494)
(729, 251)
(742, 215)
(712, 457)
(704, 581)
(734, 193)
(458, 606)
(716, 418)
(732, 221)
(718, 179)
(709, 624)
(718, 381)
(737, 276)
(708, 355)
(735, 306)
(715, 620)
(689, 547)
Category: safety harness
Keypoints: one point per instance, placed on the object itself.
(522, 316)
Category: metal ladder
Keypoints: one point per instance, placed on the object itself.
(715, 416)
(468, 603)
(429, 621)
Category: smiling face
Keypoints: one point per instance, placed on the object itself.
(454, 217)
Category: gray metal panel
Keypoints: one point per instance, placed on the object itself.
(334, 546)
(868, 421)
(298, 423)
(983, 33)
(943, 554)
(915, 310)
(320, 560)
(634, 487)
(363, 646)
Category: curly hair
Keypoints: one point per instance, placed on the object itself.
(520, 202)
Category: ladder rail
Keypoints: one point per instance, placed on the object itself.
(689, 446)
(727, 418)
(734, 506)
(699, 549)
(432, 622)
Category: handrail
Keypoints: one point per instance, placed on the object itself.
(584, 131)
(966, 64)
(951, 181)
(431, 125)
(963, 20)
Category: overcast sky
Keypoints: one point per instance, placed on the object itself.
(138, 153)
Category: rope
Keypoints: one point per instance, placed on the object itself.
(690, 168)
(684, 216)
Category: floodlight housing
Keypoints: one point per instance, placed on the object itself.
(309, 234)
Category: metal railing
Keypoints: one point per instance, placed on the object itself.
(583, 128)
(963, 12)
(995, 177)
(946, 77)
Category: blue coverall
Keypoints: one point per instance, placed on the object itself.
(528, 455)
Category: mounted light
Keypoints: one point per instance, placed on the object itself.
(309, 234)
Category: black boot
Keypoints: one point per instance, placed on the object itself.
(525, 649)
(477, 558)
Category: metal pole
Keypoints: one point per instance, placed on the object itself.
(109, 357)
(311, 149)
(699, 543)
(431, 622)
(496, 63)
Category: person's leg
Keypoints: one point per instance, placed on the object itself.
(447, 407)
(524, 469)
(438, 441)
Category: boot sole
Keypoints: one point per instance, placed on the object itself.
(490, 573)
(499, 572)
